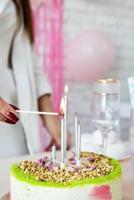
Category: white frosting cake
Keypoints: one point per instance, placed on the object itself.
(97, 178)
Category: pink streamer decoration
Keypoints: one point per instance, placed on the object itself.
(48, 18)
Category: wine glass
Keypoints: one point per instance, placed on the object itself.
(105, 107)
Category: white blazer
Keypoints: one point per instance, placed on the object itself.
(29, 78)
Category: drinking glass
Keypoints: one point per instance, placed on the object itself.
(105, 107)
(131, 93)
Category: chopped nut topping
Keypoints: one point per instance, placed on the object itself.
(92, 166)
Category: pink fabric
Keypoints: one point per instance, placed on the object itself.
(48, 17)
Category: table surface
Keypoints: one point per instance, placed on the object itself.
(128, 176)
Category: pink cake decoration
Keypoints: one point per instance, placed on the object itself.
(101, 193)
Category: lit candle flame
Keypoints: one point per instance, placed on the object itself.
(66, 89)
(62, 106)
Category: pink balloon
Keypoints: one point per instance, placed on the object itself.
(88, 56)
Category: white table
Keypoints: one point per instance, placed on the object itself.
(128, 176)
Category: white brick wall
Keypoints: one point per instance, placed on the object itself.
(115, 17)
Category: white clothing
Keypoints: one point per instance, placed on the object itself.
(12, 137)
(23, 85)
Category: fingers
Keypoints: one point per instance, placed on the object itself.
(11, 116)
(57, 142)
(7, 113)
(14, 107)
(69, 141)
(2, 117)
(49, 147)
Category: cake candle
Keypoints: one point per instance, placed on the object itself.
(53, 154)
(79, 144)
(65, 118)
(76, 135)
(62, 143)
(63, 135)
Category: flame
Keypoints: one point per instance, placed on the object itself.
(62, 106)
(66, 89)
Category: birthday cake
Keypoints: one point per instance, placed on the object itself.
(96, 178)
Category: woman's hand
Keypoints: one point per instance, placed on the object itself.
(7, 113)
(52, 123)
(58, 147)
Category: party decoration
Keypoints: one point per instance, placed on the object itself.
(48, 21)
(88, 56)
(36, 3)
